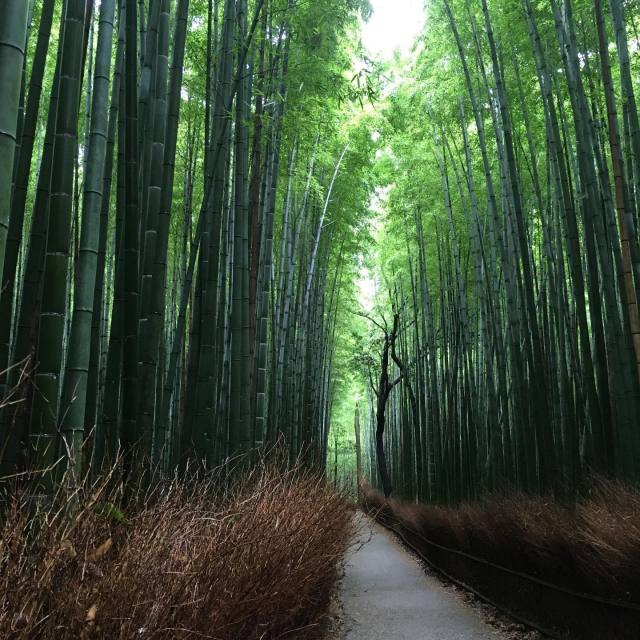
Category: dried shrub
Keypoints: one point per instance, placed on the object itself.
(256, 560)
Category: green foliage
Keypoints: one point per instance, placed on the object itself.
(110, 512)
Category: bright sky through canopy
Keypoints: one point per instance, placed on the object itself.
(393, 25)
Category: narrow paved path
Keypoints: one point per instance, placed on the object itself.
(386, 595)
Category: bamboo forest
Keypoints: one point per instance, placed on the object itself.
(275, 273)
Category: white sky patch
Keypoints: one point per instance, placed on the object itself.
(367, 283)
(367, 289)
(395, 24)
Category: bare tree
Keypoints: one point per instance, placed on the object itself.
(383, 391)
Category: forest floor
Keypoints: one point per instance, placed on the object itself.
(385, 594)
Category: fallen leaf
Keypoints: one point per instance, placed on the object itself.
(101, 551)
(91, 614)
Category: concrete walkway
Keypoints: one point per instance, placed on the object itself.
(386, 595)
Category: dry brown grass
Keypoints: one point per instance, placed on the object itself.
(256, 561)
(592, 547)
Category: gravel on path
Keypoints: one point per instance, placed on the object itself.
(386, 595)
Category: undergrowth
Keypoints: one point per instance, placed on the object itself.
(592, 547)
(256, 561)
